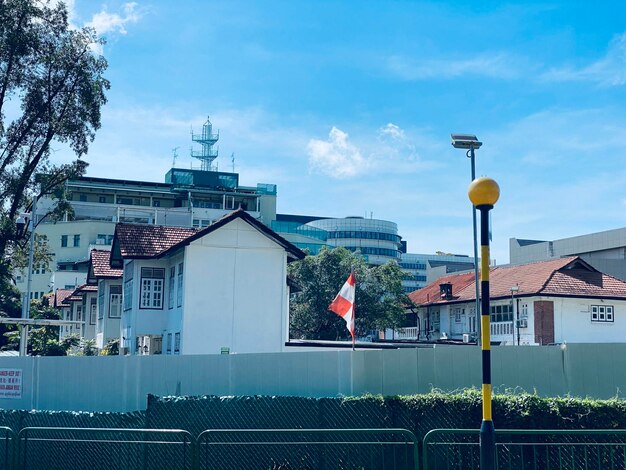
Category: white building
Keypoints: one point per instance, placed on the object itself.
(555, 301)
(605, 251)
(219, 289)
(109, 296)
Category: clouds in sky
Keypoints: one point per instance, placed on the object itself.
(336, 157)
(105, 22)
(497, 65)
(609, 70)
(388, 150)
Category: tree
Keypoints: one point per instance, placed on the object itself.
(112, 348)
(51, 90)
(380, 299)
(43, 340)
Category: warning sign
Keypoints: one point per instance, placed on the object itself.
(10, 383)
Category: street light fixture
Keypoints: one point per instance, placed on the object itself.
(484, 193)
(470, 142)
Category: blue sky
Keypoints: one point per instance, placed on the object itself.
(348, 107)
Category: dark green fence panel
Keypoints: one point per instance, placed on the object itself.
(308, 449)
(458, 449)
(7, 448)
(104, 449)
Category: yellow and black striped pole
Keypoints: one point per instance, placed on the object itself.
(484, 193)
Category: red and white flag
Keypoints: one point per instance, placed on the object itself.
(343, 304)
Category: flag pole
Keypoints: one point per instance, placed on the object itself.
(353, 308)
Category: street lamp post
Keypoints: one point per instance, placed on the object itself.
(484, 193)
(26, 301)
(469, 142)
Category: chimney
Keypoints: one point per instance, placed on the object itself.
(445, 290)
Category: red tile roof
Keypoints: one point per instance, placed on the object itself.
(60, 297)
(147, 241)
(151, 241)
(570, 276)
(85, 288)
(100, 265)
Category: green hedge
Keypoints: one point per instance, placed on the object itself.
(418, 413)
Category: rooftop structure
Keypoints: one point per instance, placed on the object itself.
(606, 251)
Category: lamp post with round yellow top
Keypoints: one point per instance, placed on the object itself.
(484, 193)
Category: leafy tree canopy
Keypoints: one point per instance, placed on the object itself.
(51, 90)
(380, 299)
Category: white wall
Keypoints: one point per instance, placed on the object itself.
(234, 297)
(572, 322)
(122, 383)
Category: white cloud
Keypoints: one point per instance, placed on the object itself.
(609, 70)
(392, 131)
(391, 150)
(336, 157)
(493, 65)
(104, 22)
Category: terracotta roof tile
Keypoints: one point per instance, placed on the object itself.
(100, 265)
(568, 276)
(60, 297)
(146, 241)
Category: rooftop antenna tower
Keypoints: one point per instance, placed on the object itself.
(232, 160)
(207, 139)
(174, 156)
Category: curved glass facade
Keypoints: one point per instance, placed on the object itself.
(377, 240)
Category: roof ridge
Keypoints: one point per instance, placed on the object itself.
(549, 278)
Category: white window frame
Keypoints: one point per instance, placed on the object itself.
(151, 288)
(179, 288)
(177, 343)
(117, 295)
(602, 314)
(93, 310)
(171, 288)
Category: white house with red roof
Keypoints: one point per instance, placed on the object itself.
(555, 301)
(219, 289)
(109, 299)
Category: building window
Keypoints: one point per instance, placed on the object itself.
(170, 291)
(115, 302)
(179, 290)
(100, 302)
(152, 280)
(82, 197)
(93, 309)
(177, 343)
(102, 199)
(128, 295)
(169, 343)
(76, 240)
(602, 313)
(156, 203)
(63, 241)
(79, 312)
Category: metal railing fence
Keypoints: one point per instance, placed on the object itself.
(319, 449)
(104, 449)
(53, 448)
(516, 449)
(7, 448)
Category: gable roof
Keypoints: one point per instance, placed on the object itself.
(156, 241)
(61, 296)
(561, 277)
(100, 267)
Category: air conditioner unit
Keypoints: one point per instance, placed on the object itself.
(523, 323)
(466, 337)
